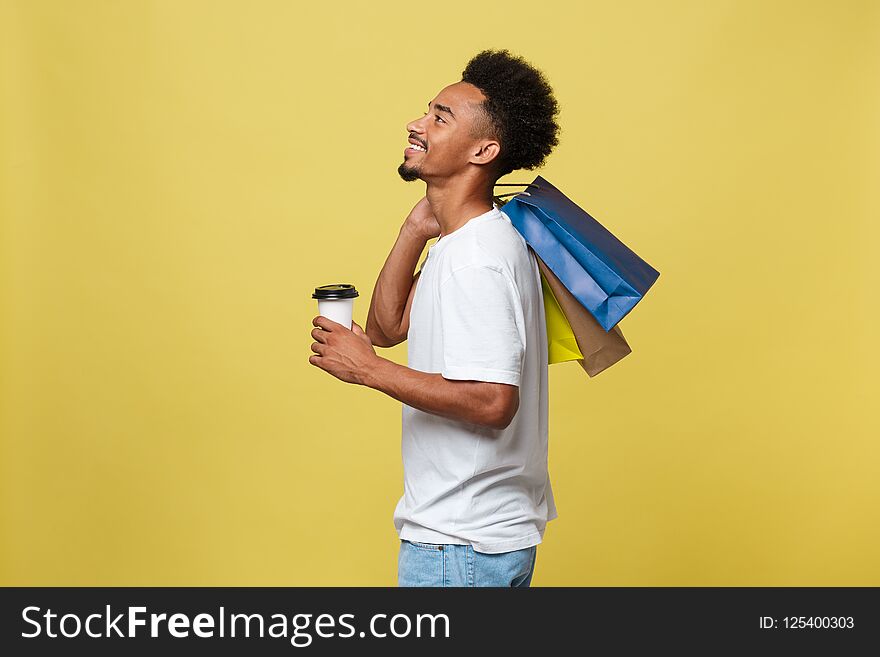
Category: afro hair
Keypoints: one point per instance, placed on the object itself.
(519, 111)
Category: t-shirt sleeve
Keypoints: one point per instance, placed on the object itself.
(481, 317)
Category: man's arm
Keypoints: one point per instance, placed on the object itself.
(492, 405)
(388, 319)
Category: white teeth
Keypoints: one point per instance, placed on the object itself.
(417, 147)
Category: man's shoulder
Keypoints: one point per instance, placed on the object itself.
(495, 244)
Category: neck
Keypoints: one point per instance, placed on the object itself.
(454, 202)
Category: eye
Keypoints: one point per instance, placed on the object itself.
(439, 119)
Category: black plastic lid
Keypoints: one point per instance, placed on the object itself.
(338, 291)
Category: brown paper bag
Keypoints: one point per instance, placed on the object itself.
(601, 349)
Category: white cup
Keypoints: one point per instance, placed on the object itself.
(339, 310)
(336, 302)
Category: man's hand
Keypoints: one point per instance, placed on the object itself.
(346, 354)
(421, 220)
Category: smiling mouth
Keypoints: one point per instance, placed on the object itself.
(416, 148)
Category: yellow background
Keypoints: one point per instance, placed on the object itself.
(176, 177)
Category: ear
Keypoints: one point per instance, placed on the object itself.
(486, 152)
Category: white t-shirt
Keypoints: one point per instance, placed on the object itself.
(478, 314)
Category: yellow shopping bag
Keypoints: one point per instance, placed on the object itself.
(562, 346)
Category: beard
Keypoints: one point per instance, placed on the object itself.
(408, 173)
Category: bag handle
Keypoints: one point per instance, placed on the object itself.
(498, 197)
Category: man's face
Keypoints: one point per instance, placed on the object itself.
(445, 131)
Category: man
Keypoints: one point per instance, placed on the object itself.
(477, 493)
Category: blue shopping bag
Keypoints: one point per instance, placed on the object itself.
(600, 271)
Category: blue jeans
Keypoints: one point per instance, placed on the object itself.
(433, 564)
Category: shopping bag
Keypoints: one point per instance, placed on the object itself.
(562, 344)
(599, 349)
(599, 270)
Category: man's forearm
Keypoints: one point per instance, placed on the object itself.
(468, 401)
(393, 285)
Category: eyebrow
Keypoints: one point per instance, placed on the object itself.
(441, 108)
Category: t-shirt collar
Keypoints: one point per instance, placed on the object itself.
(495, 211)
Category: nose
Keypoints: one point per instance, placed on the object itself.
(415, 126)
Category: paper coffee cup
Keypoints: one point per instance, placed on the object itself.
(336, 302)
